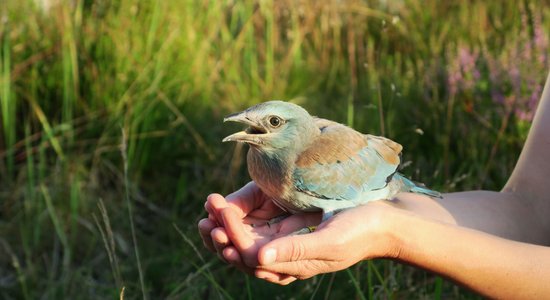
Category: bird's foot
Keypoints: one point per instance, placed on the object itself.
(310, 229)
(305, 230)
(273, 221)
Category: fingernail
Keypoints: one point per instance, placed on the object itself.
(270, 256)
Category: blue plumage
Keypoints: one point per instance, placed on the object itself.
(306, 163)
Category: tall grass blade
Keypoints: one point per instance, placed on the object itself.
(248, 287)
(51, 137)
(123, 147)
(189, 242)
(356, 285)
(438, 291)
(109, 243)
(58, 228)
(7, 99)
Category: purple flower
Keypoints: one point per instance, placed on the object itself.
(512, 77)
(540, 39)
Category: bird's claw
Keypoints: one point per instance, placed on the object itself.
(305, 230)
(272, 221)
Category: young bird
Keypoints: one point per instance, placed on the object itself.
(305, 163)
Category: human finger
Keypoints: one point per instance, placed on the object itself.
(234, 228)
(214, 204)
(302, 269)
(205, 228)
(210, 211)
(243, 241)
(220, 239)
(296, 247)
(249, 202)
(246, 199)
(277, 278)
(233, 257)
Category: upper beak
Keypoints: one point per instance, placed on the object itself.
(246, 135)
(239, 117)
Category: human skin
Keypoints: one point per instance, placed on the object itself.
(495, 243)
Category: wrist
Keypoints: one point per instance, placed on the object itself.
(383, 230)
(392, 230)
(404, 231)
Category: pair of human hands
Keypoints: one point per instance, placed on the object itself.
(237, 230)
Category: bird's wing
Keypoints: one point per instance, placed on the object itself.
(343, 163)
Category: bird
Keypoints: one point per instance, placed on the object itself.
(305, 163)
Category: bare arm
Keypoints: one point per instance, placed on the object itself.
(504, 214)
(531, 176)
(492, 266)
(520, 211)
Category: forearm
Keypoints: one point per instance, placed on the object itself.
(507, 215)
(490, 265)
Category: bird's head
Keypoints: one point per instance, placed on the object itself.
(274, 125)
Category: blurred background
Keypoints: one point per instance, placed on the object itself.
(111, 126)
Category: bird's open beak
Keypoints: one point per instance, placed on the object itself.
(251, 135)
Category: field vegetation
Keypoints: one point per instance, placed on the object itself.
(111, 126)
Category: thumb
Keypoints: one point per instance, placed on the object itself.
(293, 248)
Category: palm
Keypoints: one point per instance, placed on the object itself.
(244, 216)
(256, 230)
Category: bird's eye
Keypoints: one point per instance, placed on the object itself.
(275, 121)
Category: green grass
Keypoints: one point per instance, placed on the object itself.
(111, 126)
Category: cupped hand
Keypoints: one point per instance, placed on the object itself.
(348, 237)
(237, 230)
(237, 227)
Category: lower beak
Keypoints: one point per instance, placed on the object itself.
(243, 136)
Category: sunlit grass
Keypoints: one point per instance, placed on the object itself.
(452, 82)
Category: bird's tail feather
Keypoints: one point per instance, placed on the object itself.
(418, 188)
(426, 191)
